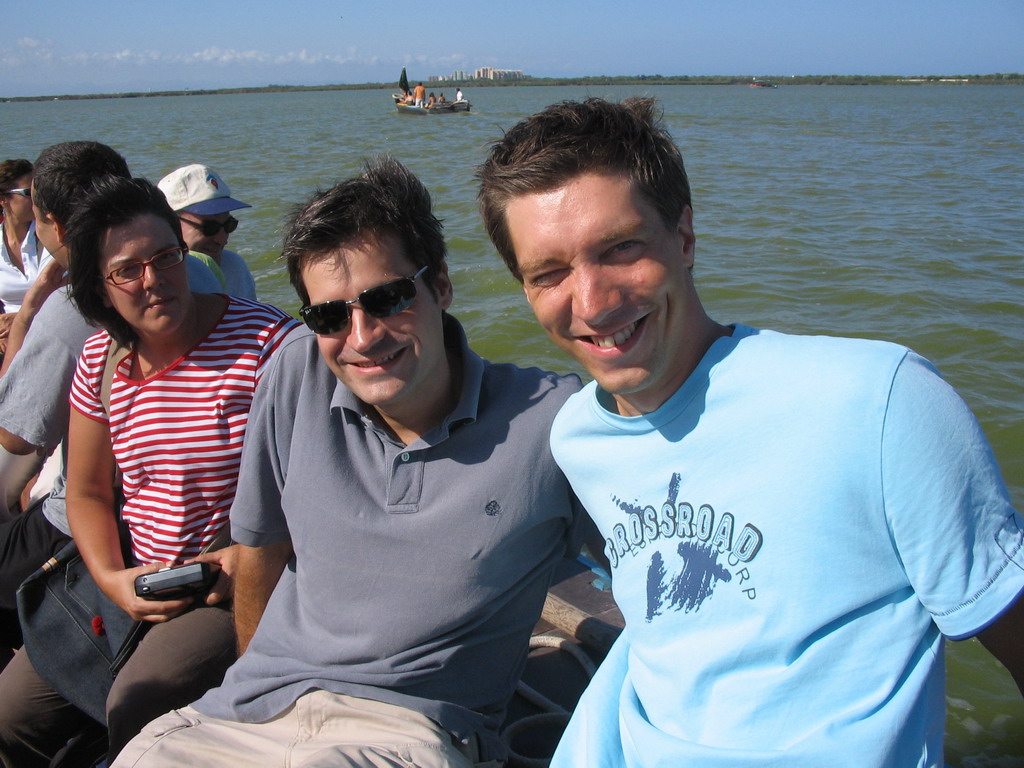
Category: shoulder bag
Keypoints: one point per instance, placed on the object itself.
(76, 637)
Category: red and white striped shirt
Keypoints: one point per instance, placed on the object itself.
(177, 437)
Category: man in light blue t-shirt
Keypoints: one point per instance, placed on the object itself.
(793, 523)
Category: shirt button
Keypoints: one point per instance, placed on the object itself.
(405, 457)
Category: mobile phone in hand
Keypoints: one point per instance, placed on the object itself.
(175, 582)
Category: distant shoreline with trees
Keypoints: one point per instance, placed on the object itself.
(598, 80)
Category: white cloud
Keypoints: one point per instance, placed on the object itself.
(30, 52)
(35, 66)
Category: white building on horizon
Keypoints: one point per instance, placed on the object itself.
(489, 73)
(482, 73)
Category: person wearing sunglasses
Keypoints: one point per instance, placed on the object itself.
(203, 202)
(182, 369)
(399, 514)
(21, 253)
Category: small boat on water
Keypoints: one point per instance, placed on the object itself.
(438, 108)
(763, 84)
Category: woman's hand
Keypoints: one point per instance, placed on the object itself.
(120, 587)
(225, 559)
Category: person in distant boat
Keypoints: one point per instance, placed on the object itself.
(794, 523)
(431, 99)
(399, 514)
(420, 93)
(410, 99)
(203, 202)
(458, 95)
(441, 99)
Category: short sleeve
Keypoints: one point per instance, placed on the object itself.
(86, 385)
(959, 538)
(257, 517)
(34, 392)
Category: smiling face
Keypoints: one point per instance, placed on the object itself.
(611, 284)
(396, 365)
(158, 303)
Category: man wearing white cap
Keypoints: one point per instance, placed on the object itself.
(203, 202)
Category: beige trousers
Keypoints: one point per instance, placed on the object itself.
(321, 730)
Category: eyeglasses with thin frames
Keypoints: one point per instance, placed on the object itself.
(382, 301)
(129, 273)
(210, 227)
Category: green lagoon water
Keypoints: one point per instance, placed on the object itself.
(884, 212)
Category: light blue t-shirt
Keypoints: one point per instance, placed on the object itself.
(200, 278)
(231, 273)
(789, 535)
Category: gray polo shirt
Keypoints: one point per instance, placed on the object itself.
(34, 391)
(419, 570)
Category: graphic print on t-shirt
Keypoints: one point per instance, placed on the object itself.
(711, 551)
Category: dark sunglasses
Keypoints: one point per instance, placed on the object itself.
(382, 301)
(23, 191)
(209, 227)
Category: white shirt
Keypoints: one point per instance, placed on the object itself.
(13, 282)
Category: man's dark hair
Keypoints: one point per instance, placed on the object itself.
(64, 173)
(547, 150)
(387, 199)
(11, 171)
(112, 202)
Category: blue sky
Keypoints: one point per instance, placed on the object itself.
(68, 46)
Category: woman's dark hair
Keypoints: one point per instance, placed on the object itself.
(113, 202)
(11, 171)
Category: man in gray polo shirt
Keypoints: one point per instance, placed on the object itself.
(397, 503)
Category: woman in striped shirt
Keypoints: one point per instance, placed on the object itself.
(181, 368)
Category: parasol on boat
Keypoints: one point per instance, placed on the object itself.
(403, 82)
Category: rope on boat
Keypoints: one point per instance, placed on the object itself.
(573, 649)
(554, 715)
